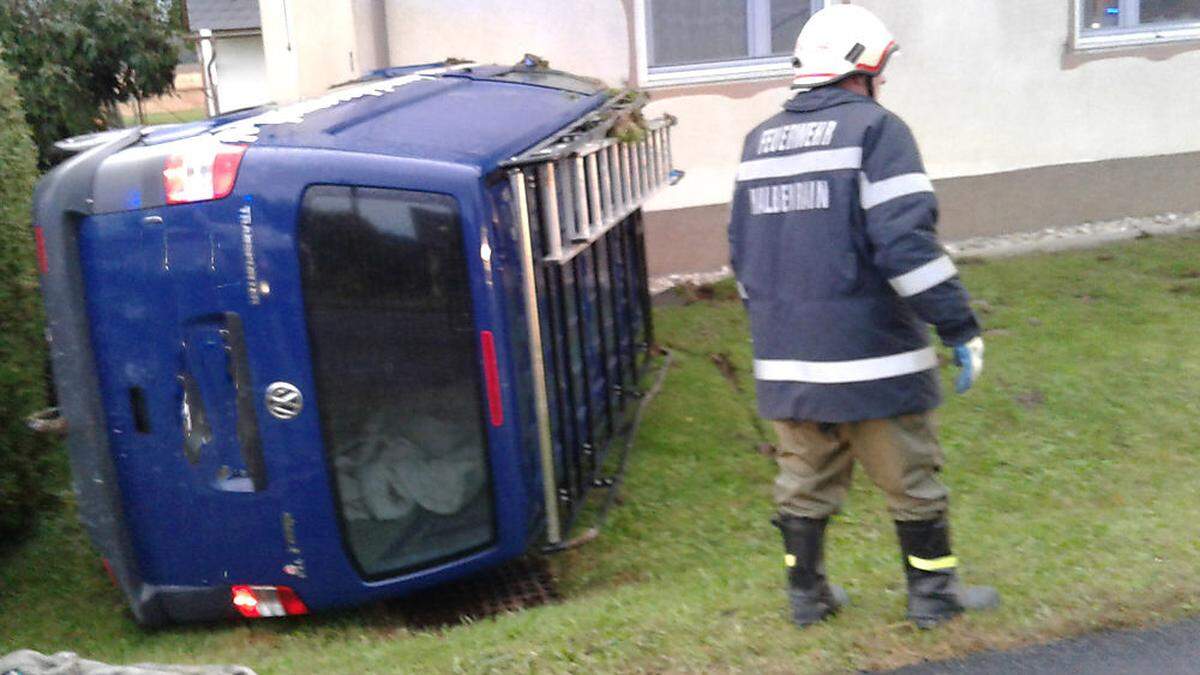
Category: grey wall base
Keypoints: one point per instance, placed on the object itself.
(693, 240)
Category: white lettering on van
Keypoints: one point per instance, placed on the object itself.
(245, 221)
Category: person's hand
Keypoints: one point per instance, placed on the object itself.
(969, 357)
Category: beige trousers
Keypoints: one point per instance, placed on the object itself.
(900, 454)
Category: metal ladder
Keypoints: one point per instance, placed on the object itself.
(577, 201)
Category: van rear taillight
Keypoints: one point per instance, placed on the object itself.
(491, 373)
(204, 170)
(39, 238)
(256, 602)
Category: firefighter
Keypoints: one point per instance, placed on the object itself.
(837, 259)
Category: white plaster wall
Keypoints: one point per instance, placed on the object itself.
(240, 71)
(707, 142)
(991, 86)
(309, 45)
(370, 29)
(588, 38)
(987, 86)
(279, 51)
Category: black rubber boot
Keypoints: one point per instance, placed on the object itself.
(812, 597)
(934, 592)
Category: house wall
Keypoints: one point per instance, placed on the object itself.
(590, 38)
(240, 70)
(992, 86)
(309, 45)
(1019, 131)
(987, 87)
(370, 35)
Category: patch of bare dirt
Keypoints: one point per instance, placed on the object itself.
(727, 368)
(697, 292)
(1031, 400)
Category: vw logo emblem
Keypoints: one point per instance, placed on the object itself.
(284, 400)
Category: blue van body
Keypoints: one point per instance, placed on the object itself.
(168, 323)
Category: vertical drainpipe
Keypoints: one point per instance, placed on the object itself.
(208, 77)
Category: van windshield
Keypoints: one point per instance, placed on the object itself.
(387, 299)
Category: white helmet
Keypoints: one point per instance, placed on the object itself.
(839, 41)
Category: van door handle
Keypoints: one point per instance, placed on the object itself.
(247, 417)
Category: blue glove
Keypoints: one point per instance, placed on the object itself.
(969, 357)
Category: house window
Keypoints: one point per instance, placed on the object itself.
(686, 41)
(1120, 23)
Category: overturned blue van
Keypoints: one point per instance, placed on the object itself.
(318, 355)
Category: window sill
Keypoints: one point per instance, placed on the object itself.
(1136, 39)
(680, 76)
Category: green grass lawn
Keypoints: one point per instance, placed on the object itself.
(1074, 468)
(168, 117)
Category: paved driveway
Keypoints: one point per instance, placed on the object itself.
(1162, 651)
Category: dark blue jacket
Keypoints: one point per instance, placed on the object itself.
(834, 245)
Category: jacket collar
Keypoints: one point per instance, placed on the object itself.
(822, 98)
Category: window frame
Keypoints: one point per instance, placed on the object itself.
(1131, 32)
(750, 68)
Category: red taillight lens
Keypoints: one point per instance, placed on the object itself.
(40, 238)
(255, 602)
(204, 169)
(292, 604)
(112, 576)
(225, 168)
(491, 374)
(245, 601)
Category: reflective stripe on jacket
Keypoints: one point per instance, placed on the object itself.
(836, 254)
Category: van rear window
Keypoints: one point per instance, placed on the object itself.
(388, 305)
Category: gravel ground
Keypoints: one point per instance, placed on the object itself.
(1086, 235)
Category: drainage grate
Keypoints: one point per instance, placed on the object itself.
(519, 585)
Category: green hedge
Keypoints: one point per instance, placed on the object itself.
(23, 456)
